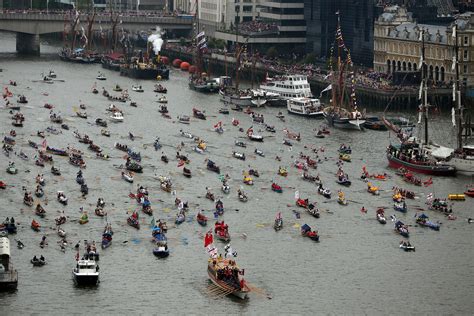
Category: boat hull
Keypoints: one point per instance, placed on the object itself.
(240, 294)
(145, 73)
(318, 115)
(439, 170)
(465, 166)
(86, 280)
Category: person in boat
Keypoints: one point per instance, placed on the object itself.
(35, 259)
(363, 209)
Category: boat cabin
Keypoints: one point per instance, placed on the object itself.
(288, 86)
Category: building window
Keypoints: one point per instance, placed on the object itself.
(465, 54)
(399, 66)
(436, 74)
(442, 74)
(404, 66)
(464, 69)
(414, 66)
(394, 65)
(409, 66)
(388, 66)
(466, 40)
(431, 73)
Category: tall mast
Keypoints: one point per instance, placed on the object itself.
(198, 50)
(237, 50)
(425, 87)
(457, 96)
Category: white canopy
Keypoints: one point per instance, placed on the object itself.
(4, 246)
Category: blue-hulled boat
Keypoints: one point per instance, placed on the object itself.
(423, 220)
(107, 236)
(134, 155)
(161, 242)
(180, 218)
(400, 207)
(402, 229)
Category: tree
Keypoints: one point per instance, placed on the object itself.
(272, 52)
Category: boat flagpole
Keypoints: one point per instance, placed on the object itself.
(457, 95)
(424, 107)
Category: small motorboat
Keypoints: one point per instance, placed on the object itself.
(180, 218)
(81, 114)
(225, 187)
(84, 219)
(324, 192)
(276, 188)
(199, 114)
(99, 211)
(282, 171)
(372, 189)
(224, 111)
(160, 89)
(306, 231)
(341, 199)
(105, 132)
(101, 122)
(117, 117)
(137, 88)
(254, 137)
(184, 119)
(39, 192)
(38, 262)
(278, 224)
(242, 196)
(259, 152)
(35, 226)
(55, 171)
(402, 229)
(406, 246)
(423, 220)
(400, 207)
(380, 215)
(101, 76)
(240, 144)
(469, 192)
(201, 219)
(40, 211)
(62, 198)
(345, 157)
(162, 99)
(186, 172)
(60, 220)
(161, 250)
(127, 176)
(238, 155)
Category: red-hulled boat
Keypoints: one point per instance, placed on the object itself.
(396, 159)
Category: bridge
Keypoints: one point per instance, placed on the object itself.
(29, 26)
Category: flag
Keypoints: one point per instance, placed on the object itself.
(326, 89)
(420, 91)
(212, 251)
(453, 116)
(200, 34)
(453, 65)
(454, 91)
(44, 144)
(180, 163)
(208, 239)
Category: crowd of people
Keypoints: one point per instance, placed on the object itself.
(254, 27)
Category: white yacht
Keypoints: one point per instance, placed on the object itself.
(288, 86)
(305, 107)
(117, 117)
(86, 272)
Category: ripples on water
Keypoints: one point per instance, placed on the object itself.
(357, 268)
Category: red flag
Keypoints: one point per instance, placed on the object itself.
(208, 239)
(428, 182)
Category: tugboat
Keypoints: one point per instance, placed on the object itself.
(86, 271)
(8, 275)
(140, 67)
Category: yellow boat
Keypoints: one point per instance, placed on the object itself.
(456, 197)
(397, 197)
(345, 157)
(84, 219)
(248, 180)
(372, 189)
(282, 172)
(202, 145)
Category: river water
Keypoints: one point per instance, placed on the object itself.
(357, 268)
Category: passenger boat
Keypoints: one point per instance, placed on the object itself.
(162, 100)
(324, 192)
(304, 106)
(254, 137)
(423, 220)
(380, 215)
(8, 275)
(259, 152)
(212, 166)
(101, 122)
(306, 231)
(225, 274)
(86, 272)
